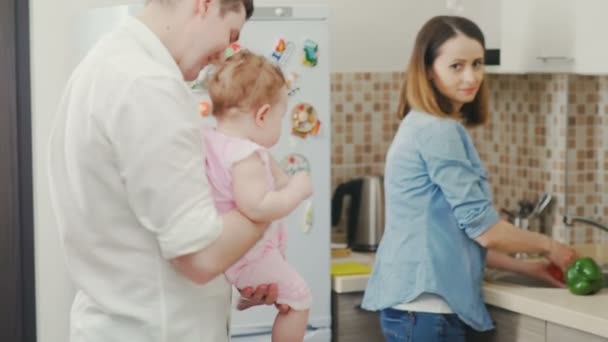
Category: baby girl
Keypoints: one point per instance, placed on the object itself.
(249, 99)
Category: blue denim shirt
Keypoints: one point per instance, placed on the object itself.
(437, 201)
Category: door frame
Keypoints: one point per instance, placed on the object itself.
(17, 288)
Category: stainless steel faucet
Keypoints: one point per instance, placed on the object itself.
(569, 221)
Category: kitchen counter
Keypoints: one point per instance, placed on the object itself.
(585, 313)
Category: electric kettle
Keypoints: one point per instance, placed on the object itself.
(365, 216)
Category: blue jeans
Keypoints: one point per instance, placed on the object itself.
(408, 326)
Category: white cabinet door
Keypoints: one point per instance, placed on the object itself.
(514, 327)
(536, 36)
(550, 38)
(559, 333)
(590, 31)
(533, 35)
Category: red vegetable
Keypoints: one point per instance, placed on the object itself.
(556, 272)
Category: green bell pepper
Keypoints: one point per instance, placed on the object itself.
(584, 277)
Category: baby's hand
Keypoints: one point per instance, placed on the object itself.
(301, 184)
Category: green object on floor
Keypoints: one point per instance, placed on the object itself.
(584, 277)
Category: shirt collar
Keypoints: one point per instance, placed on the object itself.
(152, 45)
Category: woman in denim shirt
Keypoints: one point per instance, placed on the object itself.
(441, 227)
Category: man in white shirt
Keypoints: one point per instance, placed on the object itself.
(143, 242)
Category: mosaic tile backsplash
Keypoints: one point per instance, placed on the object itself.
(546, 133)
(363, 122)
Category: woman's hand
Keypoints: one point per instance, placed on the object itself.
(541, 271)
(561, 255)
(263, 295)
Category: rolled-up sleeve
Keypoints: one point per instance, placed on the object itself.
(448, 161)
(156, 137)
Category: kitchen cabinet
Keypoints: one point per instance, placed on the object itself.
(511, 327)
(533, 36)
(591, 55)
(559, 333)
(543, 36)
(350, 323)
(515, 327)
(549, 36)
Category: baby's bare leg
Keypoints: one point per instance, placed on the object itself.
(290, 327)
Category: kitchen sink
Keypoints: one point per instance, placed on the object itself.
(505, 277)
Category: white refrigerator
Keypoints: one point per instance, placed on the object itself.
(297, 39)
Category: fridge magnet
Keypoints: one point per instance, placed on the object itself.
(294, 163)
(311, 51)
(292, 79)
(232, 49)
(282, 51)
(308, 218)
(304, 120)
(204, 108)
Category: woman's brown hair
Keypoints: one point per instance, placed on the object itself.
(419, 93)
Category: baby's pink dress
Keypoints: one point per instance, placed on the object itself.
(265, 262)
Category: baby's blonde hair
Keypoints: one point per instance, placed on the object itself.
(246, 81)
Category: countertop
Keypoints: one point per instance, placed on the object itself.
(585, 313)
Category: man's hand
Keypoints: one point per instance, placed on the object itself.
(265, 294)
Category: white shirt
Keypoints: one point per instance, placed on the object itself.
(426, 302)
(128, 186)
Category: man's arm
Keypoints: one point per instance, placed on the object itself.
(155, 135)
(237, 237)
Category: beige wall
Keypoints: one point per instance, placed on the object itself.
(49, 45)
(372, 35)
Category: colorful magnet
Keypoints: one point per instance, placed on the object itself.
(292, 80)
(311, 52)
(282, 51)
(232, 49)
(204, 108)
(294, 163)
(304, 120)
(308, 218)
